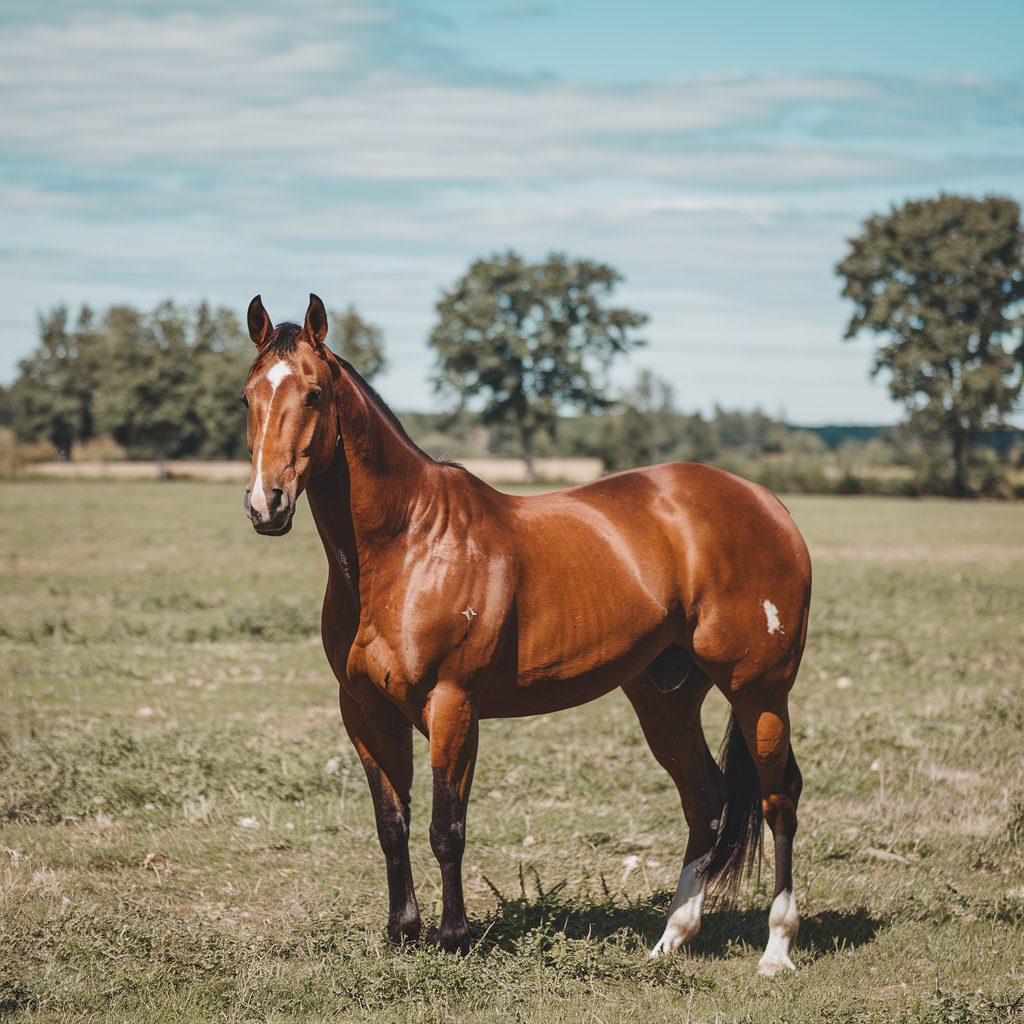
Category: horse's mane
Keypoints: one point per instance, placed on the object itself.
(385, 411)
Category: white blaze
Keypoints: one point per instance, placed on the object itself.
(258, 499)
(772, 614)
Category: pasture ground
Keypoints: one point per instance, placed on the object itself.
(186, 835)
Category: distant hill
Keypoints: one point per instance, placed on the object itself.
(833, 435)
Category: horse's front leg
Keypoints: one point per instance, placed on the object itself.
(385, 748)
(452, 725)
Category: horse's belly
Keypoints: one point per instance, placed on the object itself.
(509, 698)
(554, 667)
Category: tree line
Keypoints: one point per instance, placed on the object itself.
(522, 350)
(162, 384)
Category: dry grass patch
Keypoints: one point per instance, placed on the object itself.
(215, 859)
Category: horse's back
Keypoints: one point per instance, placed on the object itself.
(705, 518)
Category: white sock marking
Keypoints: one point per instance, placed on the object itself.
(783, 922)
(684, 914)
(772, 614)
(258, 499)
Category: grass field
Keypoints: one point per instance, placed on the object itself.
(186, 835)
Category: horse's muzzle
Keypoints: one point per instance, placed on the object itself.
(278, 518)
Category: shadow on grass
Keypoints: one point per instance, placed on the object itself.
(640, 921)
(826, 932)
(571, 916)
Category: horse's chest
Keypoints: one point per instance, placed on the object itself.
(401, 674)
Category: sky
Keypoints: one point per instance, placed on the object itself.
(719, 156)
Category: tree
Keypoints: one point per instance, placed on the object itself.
(164, 383)
(359, 342)
(941, 277)
(145, 401)
(531, 339)
(648, 429)
(53, 395)
(173, 382)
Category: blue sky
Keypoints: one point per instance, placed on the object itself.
(368, 151)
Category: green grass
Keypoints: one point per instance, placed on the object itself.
(186, 835)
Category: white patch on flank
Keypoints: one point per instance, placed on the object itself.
(258, 499)
(684, 914)
(783, 922)
(469, 613)
(772, 614)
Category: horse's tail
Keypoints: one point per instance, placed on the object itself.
(738, 843)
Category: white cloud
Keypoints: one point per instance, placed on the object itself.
(155, 150)
(255, 90)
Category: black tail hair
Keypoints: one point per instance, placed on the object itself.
(738, 844)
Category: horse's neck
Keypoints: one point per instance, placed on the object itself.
(329, 496)
(383, 472)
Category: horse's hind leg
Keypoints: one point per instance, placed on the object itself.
(766, 732)
(671, 724)
(385, 748)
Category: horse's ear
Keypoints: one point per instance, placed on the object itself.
(259, 323)
(316, 320)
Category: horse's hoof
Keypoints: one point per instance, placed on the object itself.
(404, 936)
(681, 928)
(404, 931)
(769, 968)
(450, 942)
(455, 944)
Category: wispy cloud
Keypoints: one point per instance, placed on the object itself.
(185, 90)
(154, 149)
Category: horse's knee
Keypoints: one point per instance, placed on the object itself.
(448, 840)
(393, 833)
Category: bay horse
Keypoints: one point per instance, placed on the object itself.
(448, 602)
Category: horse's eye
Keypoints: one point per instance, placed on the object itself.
(314, 396)
(244, 400)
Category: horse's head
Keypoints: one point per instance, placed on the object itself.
(293, 427)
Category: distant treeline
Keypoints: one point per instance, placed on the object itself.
(165, 384)
(162, 384)
(645, 428)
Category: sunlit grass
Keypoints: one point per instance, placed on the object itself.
(187, 835)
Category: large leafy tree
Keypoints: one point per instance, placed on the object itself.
(531, 339)
(145, 402)
(943, 279)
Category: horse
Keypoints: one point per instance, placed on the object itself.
(448, 602)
